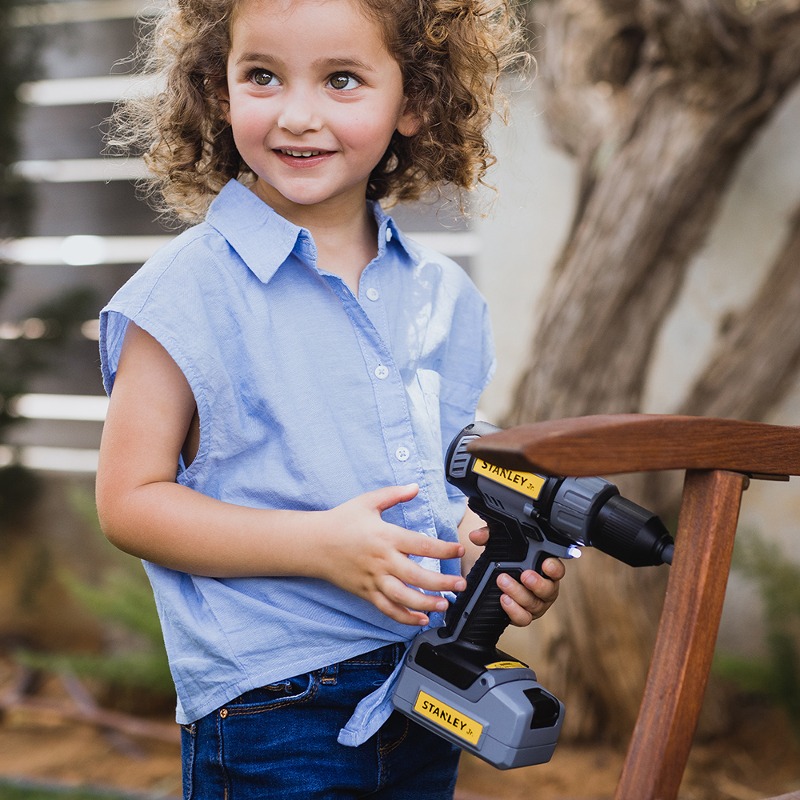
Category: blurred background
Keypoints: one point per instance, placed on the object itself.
(640, 251)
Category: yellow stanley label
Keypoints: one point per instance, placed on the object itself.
(528, 483)
(507, 665)
(448, 718)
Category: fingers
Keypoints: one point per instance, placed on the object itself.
(388, 496)
(408, 573)
(377, 552)
(529, 598)
(408, 592)
(407, 603)
(554, 568)
(418, 577)
(479, 536)
(418, 544)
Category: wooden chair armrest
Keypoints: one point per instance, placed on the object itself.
(616, 443)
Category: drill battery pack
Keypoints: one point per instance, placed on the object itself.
(497, 711)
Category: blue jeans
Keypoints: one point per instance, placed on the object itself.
(280, 741)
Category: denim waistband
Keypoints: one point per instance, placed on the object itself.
(388, 654)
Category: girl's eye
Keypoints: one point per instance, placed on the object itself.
(343, 80)
(262, 77)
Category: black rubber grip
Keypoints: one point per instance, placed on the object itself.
(483, 614)
(487, 619)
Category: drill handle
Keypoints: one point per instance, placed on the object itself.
(477, 616)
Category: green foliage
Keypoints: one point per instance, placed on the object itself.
(123, 601)
(24, 790)
(137, 666)
(777, 676)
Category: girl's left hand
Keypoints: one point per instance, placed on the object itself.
(526, 600)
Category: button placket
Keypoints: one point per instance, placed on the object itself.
(388, 387)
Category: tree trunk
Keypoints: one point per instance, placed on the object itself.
(757, 355)
(657, 100)
(755, 362)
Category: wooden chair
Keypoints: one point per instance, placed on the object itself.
(720, 457)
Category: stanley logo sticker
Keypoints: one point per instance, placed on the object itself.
(448, 718)
(528, 483)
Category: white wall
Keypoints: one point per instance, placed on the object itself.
(521, 236)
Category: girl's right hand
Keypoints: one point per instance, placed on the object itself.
(369, 557)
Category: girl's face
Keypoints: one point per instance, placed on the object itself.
(314, 99)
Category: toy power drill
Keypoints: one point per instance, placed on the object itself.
(454, 680)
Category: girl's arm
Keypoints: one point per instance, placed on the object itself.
(525, 600)
(143, 511)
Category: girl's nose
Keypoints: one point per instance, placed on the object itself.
(299, 114)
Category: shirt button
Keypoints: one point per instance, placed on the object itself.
(381, 371)
(373, 294)
(388, 234)
(402, 454)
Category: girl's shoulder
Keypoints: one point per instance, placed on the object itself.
(187, 253)
(192, 257)
(178, 276)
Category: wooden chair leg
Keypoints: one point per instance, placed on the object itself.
(686, 638)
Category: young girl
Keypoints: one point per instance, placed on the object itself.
(300, 366)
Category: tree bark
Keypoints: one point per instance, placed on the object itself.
(657, 100)
(755, 362)
(757, 355)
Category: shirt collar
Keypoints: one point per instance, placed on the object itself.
(264, 239)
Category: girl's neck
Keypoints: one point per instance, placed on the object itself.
(345, 235)
(346, 247)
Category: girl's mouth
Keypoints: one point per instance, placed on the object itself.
(300, 153)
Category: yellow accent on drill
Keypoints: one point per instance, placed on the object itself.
(448, 718)
(527, 483)
(507, 665)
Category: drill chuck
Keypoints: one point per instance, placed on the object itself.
(632, 534)
(590, 511)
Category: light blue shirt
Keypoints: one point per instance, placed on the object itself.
(307, 396)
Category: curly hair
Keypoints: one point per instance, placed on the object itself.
(451, 54)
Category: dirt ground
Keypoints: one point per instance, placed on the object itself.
(761, 758)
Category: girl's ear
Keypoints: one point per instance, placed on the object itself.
(409, 122)
(224, 100)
